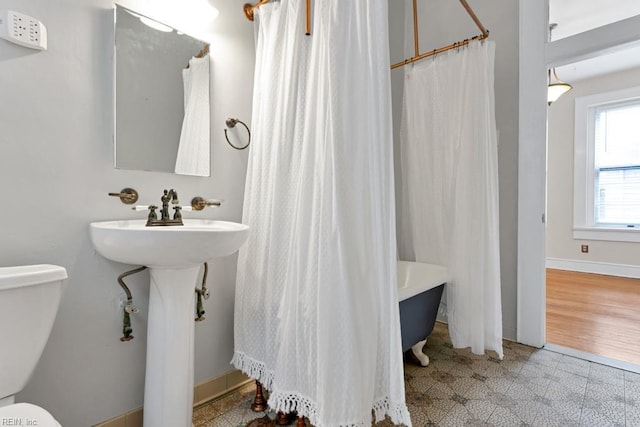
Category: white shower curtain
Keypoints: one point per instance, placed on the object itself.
(449, 201)
(193, 150)
(316, 315)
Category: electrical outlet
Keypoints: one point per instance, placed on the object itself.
(23, 30)
(584, 249)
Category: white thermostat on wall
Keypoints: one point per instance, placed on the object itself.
(22, 29)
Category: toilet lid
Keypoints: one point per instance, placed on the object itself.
(26, 414)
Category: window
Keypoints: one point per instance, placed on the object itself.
(607, 166)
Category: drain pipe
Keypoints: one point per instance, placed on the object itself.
(201, 293)
(129, 308)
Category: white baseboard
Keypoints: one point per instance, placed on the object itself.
(608, 269)
(593, 358)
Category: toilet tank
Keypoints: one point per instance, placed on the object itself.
(29, 300)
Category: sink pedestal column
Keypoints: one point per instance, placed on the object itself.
(168, 390)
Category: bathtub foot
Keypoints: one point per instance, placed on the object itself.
(282, 419)
(417, 351)
(259, 402)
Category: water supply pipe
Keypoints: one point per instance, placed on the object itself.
(201, 293)
(129, 308)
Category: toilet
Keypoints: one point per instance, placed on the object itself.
(29, 300)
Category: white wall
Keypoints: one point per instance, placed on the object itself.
(56, 163)
(445, 22)
(560, 244)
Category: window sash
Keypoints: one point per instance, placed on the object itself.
(617, 196)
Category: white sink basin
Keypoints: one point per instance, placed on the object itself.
(174, 255)
(189, 245)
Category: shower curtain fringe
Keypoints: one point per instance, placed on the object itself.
(293, 402)
(398, 412)
(253, 369)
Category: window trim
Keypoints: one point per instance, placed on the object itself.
(584, 227)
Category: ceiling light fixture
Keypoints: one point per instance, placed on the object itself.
(555, 88)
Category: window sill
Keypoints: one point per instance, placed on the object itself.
(611, 234)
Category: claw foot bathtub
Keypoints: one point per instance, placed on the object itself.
(420, 288)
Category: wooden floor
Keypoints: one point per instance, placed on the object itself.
(594, 313)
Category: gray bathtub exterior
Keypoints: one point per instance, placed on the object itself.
(418, 316)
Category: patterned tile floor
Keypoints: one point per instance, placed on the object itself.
(530, 387)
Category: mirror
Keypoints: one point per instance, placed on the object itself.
(162, 112)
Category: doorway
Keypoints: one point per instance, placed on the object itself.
(536, 56)
(590, 305)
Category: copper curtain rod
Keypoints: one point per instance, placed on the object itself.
(250, 8)
(418, 56)
(203, 51)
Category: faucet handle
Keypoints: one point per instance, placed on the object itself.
(177, 215)
(198, 203)
(128, 196)
(153, 216)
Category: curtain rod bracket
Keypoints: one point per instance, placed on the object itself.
(249, 10)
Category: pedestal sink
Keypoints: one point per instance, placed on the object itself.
(174, 256)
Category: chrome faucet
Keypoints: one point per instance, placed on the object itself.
(168, 196)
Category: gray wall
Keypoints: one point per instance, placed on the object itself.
(56, 162)
(444, 22)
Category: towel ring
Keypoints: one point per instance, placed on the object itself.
(231, 123)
